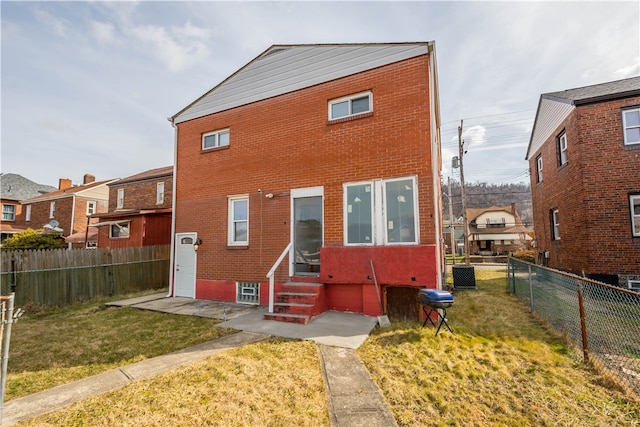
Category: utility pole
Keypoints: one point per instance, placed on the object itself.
(452, 229)
(464, 198)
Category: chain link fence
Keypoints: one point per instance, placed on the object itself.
(602, 320)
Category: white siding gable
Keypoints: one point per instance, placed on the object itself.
(550, 114)
(285, 68)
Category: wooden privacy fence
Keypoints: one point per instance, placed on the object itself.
(61, 277)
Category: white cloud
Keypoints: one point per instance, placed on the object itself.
(474, 136)
(59, 27)
(631, 70)
(178, 48)
(103, 32)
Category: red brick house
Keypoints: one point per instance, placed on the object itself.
(139, 211)
(584, 156)
(67, 209)
(327, 156)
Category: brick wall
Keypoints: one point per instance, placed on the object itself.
(285, 143)
(141, 194)
(591, 192)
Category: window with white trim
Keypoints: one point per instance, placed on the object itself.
(8, 212)
(634, 206)
(160, 193)
(120, 199)
(555, 224)
(52, 209)
(631, 126)
(248, 292)
(539, 168)
(91, 207)
(562, 149)
(634, 285)
(215, 139)
(27, 215)
(238, 221)
(351, 105)
(381, 212)
(119, 230)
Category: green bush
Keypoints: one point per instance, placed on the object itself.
(528, 255)
(33, 239)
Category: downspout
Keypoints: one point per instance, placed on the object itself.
(173, 208)
(436, 160)
(73, 217)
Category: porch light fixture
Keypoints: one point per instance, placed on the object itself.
(197, 244)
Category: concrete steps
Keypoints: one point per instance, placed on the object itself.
(298, 302)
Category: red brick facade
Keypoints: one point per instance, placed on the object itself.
(142, 194)
(591, 192)
(287, 142)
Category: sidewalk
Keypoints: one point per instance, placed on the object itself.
(353, 397)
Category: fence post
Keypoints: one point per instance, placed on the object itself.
(583, 324)
(530, 288)
(7, 320)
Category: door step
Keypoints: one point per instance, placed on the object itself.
(298, 302)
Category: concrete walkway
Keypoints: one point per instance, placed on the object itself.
(353, 397)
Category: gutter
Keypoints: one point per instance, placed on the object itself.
(173, 209)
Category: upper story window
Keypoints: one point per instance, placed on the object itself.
(631, 125)
(52, 209)
(351, 105)
(215, 139)
(119, 230)
(381, 212)
(8, 212)
(238, 221)
(27, 215)
(539, 168)
(555, 224)
(634, 205)
(91, 208)
(160, 193)
(562, 149)
(120, 199)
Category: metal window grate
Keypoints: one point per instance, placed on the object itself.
(248, 292)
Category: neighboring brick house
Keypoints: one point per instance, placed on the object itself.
(584, 156)
(139, 211)
(69, 207)
(497, 230)
(15, 189)
(332, 149)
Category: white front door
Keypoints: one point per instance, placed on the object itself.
(184, 273)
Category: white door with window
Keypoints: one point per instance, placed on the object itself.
(184, 272)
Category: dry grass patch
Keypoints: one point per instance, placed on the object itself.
(271, 383)
(500, 367)
(62, 345)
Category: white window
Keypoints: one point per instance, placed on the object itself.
(215, 139)
(634, 285)
(27, 215)
(160, 193)
(238, 220)
(248, 293)
(631, 125)
(562, 149)
(119, 230)
(52, 209)
(381, 212)
(351, 105)
(555, 223)
(120, 199)
(91, 208)
(8, 212)
(634, 203)
(539, 168)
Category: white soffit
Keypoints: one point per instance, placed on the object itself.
(283, 69)
(550, 114)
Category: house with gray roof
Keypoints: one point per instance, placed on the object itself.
(309, 180)
(584, 158)
(14, 189)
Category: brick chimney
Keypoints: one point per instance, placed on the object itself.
(88, 179)
(513, 208)
(64, 183)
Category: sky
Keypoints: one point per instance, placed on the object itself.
(87, 87)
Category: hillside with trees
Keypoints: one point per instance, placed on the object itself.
(484, 195)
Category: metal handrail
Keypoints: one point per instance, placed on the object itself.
(272, 272)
